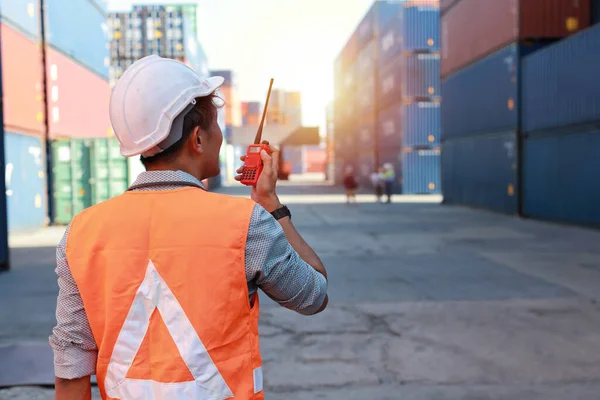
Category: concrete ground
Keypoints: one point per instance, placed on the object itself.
(426, 302)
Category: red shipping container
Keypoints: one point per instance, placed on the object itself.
(77, 99)
(472, 29)
(22, 83)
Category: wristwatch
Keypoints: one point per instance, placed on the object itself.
(281, 212)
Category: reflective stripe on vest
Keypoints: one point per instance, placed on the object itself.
(166, 295)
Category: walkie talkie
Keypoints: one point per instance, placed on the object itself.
(253, 164)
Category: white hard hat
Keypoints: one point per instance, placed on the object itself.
(150, 100)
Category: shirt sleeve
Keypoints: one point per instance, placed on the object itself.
(75, 350)
(277, 269)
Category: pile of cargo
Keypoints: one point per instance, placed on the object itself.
(514, 92)
(76, 54)
(387, 104)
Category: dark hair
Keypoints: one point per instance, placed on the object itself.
(202, 115)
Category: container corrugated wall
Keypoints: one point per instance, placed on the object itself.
(365, 139)
(481, 171)
(562, 177)
(390, 41)
(390, 128)
(474, 28)
(73, 112)
(25, 181)
(109, 170)
(22, 83)
(420, 25)
(22, 15)
(561, 83)
(482, 98)
(390, 83)
(71, 175)
(421, 171)
(421, 75)
(78, 29)
(377, 18)
(421, 123)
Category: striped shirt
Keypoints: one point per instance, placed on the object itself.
(271, 265)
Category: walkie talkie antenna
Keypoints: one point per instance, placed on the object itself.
(262, 121)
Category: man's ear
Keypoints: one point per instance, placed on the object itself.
(196, 140)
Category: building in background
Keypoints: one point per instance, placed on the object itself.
(386, 96)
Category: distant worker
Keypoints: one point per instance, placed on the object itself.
(350, 185)
(389, 177)
(159, 286)
(377, 181)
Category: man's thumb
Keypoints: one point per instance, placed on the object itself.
(266, 158)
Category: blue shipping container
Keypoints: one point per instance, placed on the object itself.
(390, 80)
(561, 83)
(421, 123)
(390, 41)
(421, 75)
(561, 177)
(78, 29)
(390, 127)
(366, 99)
(394, 157)
(420, 26)
(25, 181)
(421, 171)
(377, 18)
(482, 98)
(481, 171)
(22, 15)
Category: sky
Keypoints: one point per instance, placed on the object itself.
(293, 41)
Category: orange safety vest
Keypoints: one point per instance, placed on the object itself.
(162, 279)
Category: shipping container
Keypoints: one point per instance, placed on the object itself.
(315, 159)
(378, 16)
(561, 83)
(421, 75)
(421, 123)
(25, 177)
(481, 171)
(365, 63)
(253, 107)
(445, 5)
(561, 176)
(365, 139)
(421, 171)
(394, 156)
(22, 15)
(365, 166)
(85, 38)
(293, 156)
(72, 112)
(365, 98)
(390, 127)
(420, 25)
(474, 28)
(349, 53)
(595, 5)
(21, 83)
(71, 177)
(483, 97)
(350, 80)
(109, 170)
(390, 80)
(390, 41)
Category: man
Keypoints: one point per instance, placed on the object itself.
(389, 177)
(158, 286)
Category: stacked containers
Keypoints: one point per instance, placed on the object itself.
(561, 113)
(24, 145)
(420, 109)
(483, 44)
(77, 56)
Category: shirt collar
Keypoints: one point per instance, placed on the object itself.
(154, 178)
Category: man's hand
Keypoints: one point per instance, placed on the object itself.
(264, 191)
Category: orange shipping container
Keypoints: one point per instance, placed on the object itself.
(22, 83)
(472, 29)
(77, 99)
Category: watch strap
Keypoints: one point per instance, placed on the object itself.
(281, 213)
